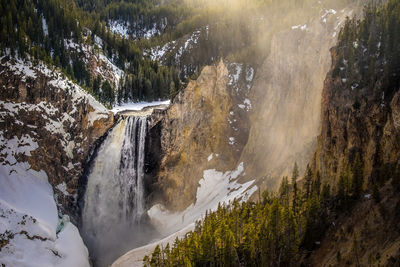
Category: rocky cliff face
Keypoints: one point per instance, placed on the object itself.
(57, 114)
(277, 114)
(198, 132)
(357, 121)
(360, 117)
(287, 94)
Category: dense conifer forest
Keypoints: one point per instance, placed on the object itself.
(369, 49)
(40, 29)
(279, 229)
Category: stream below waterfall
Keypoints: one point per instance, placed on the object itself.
(112, 217)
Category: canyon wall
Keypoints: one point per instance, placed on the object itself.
(197, 132)
(361, 121)
(270, 113)
(286, 97)
(56, 113)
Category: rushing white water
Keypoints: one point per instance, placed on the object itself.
(114, 198)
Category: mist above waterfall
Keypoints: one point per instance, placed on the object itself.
(112, 219)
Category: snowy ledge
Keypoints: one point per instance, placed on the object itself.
(138, 106)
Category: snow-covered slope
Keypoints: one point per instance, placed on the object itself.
(30, 232)
(48, 125)
(215, 187)
(135, 31)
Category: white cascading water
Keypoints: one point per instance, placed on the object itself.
(114, 198)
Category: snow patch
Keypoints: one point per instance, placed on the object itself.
(354, 86)
(98, 41)
(105, 67)
(235, 74)
(63, 188)
(70, 44)
(249, 74)
(54, 126)
(45, 27)
(12, 147)
(246, 105)
(193, 39)
(71, 248)
(151, 32)
(327, 13)
(116, 72)
(215, 187)
(156, 53)
(138, 105)
(301, 27)
(29, 216)
(119, 27)
(231, 140)
(20, 67)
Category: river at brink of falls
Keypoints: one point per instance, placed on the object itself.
(114, 199)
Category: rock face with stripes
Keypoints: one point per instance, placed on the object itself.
(64, 120)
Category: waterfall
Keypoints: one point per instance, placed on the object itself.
(114, 198)
(131, 170)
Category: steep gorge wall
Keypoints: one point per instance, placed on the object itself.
(278, 128)
(57, 114)
(361, 121)
(286, 98)
(361, 118)
(197, 132)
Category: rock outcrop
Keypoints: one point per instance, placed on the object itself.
(357, 121)
(360, 118)
(57, 114)
(196, 133)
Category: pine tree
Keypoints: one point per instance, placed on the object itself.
(295, 175)
(107, 93)
(357, 181)
(284, 191)
(96, 85)
(326, 192)
(317, 184)
(156, 257)
(308, 179)
(344, 188)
